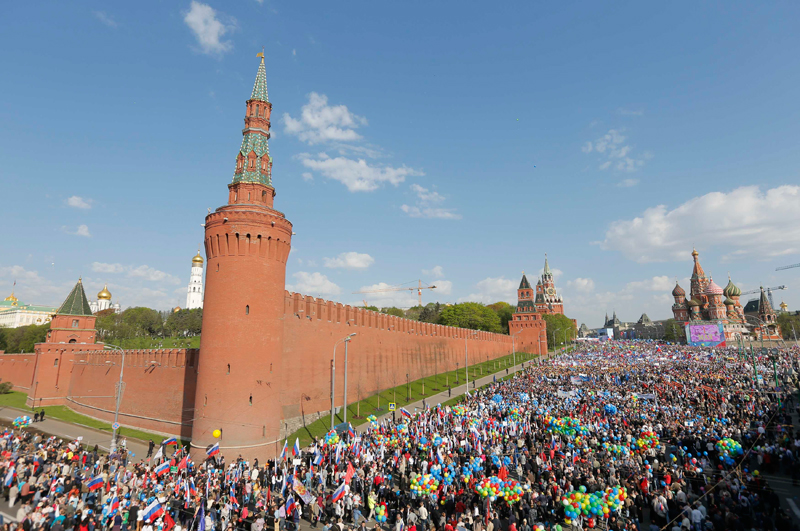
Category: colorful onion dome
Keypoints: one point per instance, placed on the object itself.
(731, 290)
(693, 302)
(678, 291)
(713, 288)
(729, 302)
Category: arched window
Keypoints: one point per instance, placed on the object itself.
(73, 340)
(251, 400)
(229, 369)
(247, 310)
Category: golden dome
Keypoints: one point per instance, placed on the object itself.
(197, 260)
(11, 298)
(176, 309)
(104, 294)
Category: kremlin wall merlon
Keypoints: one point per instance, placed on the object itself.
(263, 369)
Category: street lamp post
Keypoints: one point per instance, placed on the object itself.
(514, 346)
(555, 340)
(466, 359)
(333, 376)
(113, 447)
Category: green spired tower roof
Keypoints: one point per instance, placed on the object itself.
(260, 86)
(524, 284)
(76, 302)
(546, 266)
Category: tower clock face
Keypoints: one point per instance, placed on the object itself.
(550, 291)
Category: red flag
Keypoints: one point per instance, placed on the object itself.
(169, 523)
(349, 474)
(183, 462)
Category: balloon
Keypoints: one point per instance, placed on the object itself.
(217, 434)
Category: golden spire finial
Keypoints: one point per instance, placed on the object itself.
(261, 55)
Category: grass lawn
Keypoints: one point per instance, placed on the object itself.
(402, 393)
(155, 342)
(16, 399)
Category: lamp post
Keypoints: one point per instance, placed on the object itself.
(555, 340)
(466, 359)
(333, 376)
(113, 447)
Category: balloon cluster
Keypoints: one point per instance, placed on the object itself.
(460, 410)
(648, 439)
(21, 422)
(524, 397)
(728, 446)
(617, 449)
(331, 438)
(597, 504)
(512, 491)
(515, 413)
(497, 399)
(473, 467)
(565, 426)
(610, 409)
(380, 513)
(423, 484)
(437, 440)
(490, 487)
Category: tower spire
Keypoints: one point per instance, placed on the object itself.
(253, 163)
(546, 266)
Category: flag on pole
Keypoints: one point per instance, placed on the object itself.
(152, 511)
(213, 449)
(405, 412)
(285, 449)
(339, 493)
(95, 483)
(169, 442)
(350, 431)
(162, 469)
(290, 506)
(296, 447)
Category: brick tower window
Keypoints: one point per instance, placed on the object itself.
(247, 310)
(75, 323)
(229, 369)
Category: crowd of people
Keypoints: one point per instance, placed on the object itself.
(618, 435)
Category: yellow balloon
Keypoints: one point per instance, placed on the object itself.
(216, 433)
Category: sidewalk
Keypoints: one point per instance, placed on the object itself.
(66, 430)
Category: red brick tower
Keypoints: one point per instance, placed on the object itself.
(548, 301)
(526, 325)
(247, 243)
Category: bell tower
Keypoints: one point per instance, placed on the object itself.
(247, 243)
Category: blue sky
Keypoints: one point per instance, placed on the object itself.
(449, 141)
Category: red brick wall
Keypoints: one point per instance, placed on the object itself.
(157, 397)
(17, 369)
(379, 356)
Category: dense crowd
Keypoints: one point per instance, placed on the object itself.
(620, 435)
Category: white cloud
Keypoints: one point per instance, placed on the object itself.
(294, 52)
(585, 285)
(627, 183)
(320, 122)
(744, 222)
(356, 175)
(82, 230)
(436, 272)
(614, 153)
(79, 202)
(150, 273)
(400, 299)
(659, 283)
(443, 287)
(350, 260)
(307, 176)
(313, 284)
(100, 267)
(209, 30)
(491, 290)
(424, 208)
(105, 18)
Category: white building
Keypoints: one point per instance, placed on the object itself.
(103, 302)
(14, 313)
(194, 296)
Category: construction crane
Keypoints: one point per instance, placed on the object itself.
(786, 267)
(418, 289)
(769, 293)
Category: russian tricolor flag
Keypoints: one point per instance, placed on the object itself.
(114, 505)
(338, 493)
(95, 483)
(152, 511)
(285, 449)
(212, 449)
(170, 441)
(405, 412)
(162, 469)
(350, 431)
(296, 447)
(317, 459)
(290, 506)
(10, 477)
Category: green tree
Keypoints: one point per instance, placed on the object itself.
(673, 331)
(3, 342)
(372, 308)
(185, 322)
(143, 321)
(504, 311)
(471, 315)
(559, 326)
(786, 321)
(397, 312)
(414, 312)
(431, 313)
(24, 338)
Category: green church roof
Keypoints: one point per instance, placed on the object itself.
(76, 302)
(524, 284)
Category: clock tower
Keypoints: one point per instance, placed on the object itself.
(548, 301)
(247, 243)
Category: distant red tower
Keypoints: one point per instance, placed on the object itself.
(247, 243)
